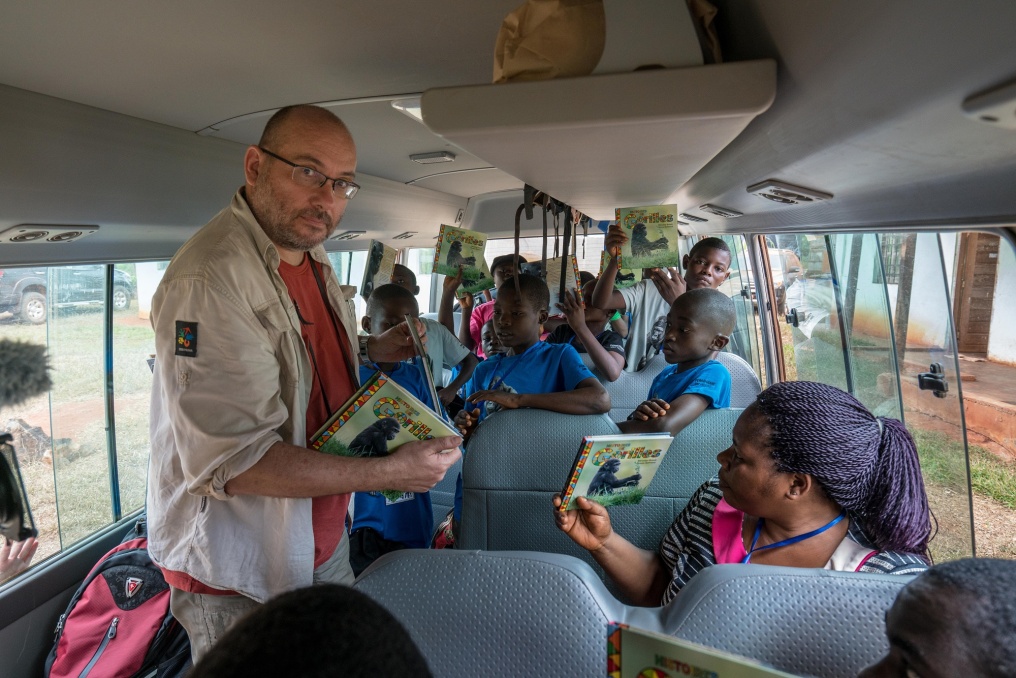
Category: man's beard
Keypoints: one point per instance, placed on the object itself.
(278, 224)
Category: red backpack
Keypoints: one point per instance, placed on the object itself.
(119, 623)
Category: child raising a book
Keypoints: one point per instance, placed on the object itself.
(699, 324)
(382, 525)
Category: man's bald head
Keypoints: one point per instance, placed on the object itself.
(295, 215)
(289, 120)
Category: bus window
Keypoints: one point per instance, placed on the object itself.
(421, 262)
(348, 268)
(879, 315)
(84, 458)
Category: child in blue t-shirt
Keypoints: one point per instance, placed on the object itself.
(531, 373)
(699, 323)
(381, 525)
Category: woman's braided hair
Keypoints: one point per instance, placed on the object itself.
(866, 464)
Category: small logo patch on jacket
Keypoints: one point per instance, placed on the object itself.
(186, 339)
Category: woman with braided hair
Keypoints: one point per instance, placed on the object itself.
(811, 479)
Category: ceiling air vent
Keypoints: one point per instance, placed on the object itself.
(787, 194)
(39, 233)
(692, 217)
(347, 235)
(721, 211)
(404, 236)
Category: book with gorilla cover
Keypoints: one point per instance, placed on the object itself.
(637, 653)
(378, 268)
(379, 418)
(652, 236)
(615, 469)
(626, 277)
(458, 247)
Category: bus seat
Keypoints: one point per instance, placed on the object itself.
(514, 463)
(442, 495)
(744, 383)
(518, 459)
(803, 621)
(631, 388)
(477, 613)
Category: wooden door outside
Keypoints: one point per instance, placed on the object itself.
(974, 291)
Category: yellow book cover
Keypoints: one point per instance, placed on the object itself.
(379, 418)
(458, 247)
(652, 236)
(635, 653)
(615, 469)
(571, 280)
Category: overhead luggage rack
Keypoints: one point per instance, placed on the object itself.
(605, 141)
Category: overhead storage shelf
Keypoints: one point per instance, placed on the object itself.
(605, 141)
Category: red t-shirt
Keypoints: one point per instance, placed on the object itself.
(332, 387)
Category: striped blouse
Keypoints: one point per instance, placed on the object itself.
(687, 547)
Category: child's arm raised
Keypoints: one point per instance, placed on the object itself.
(604, 294)
(588, 397)
(445, 315)
(466, 322)
(659, 416)
(607, 362)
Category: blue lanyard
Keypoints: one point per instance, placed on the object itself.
(791, 540)
(496, 382)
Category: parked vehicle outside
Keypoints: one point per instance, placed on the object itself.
(25, 292)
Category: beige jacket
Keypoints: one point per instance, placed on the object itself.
(214, 414)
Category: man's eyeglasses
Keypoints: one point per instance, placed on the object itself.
(311, 178)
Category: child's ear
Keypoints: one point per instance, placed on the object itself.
(684, 262)
(365, 324)
(719, 343)
(543, 315)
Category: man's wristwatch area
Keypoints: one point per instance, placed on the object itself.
(363, 339)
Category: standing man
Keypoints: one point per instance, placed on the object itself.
(256, 348)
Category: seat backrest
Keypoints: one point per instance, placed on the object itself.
(803, 621)
(495, 614)
(518, 459)
(744, 383)
(631, 388)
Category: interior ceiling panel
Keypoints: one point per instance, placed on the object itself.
(191, 63)
(385, 140)
(868, 105)
(470, 182)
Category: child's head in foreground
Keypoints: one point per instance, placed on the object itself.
(700, 322)
(316, 632)
(387, 306)
(519, 315)
(956, 619)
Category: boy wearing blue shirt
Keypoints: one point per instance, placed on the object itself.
(531, 373)
(699, 323)
(381, 525)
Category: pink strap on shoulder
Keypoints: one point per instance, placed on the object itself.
(728, 545)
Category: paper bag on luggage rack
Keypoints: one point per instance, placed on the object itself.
(546, 39)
